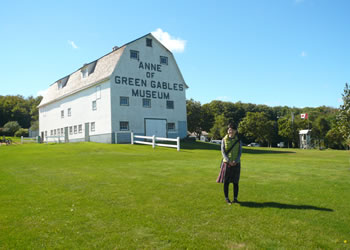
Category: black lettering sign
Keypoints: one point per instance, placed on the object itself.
(117, 79)
(135, 92)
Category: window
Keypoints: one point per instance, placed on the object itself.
(75, 129)
(45, 133)
(124, 101)
(94, 107)
(124, 126)
(171, 126)
(146, 103)
(170, 104)
(62, 113)
(51, 132)
(58, 131)
(134, 54)
(69, 112)
(98, 92)
(93, 126)
(164, 60)
(54, 131)
(148, 42)
(80, 128)
(62, 131)
(85, 72)
(71, 130)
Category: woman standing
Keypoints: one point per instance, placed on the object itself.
(230, 169)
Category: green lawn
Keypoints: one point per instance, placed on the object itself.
(103, 196)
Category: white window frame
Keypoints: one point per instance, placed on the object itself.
(80, 128)
(143, 102)
(165, 58)
(62, 113)
(171, 129)
(93, 126)
(98, 92)
(75, 129)
(69, 111)
(85, 72)
(70, 130)
(149, 42)
(94, 105)
(124, 128)
(126, 98)
(170, 101)
(134, 52)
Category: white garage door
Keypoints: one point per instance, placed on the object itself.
(156, 127)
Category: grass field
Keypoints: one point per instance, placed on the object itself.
(102, 196)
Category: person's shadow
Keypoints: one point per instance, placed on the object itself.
(281, 206)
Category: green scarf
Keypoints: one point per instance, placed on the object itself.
(233, 154)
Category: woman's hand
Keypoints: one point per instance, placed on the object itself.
(232, 163)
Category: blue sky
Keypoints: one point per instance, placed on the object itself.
(273, 52)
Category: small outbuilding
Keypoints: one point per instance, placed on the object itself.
(305, 138)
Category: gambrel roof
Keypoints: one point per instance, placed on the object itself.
(99, 71)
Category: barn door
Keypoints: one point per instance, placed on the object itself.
(155, 127)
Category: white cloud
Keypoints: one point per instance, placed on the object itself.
(73, 44)
(41, 92)
(173, 44)
(303, 54)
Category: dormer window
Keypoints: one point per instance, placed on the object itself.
(148, 42)
(62, 82)
(85, 72)
(88, 69)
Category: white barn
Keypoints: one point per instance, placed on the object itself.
(137, 87)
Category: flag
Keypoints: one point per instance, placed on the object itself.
(303, 116)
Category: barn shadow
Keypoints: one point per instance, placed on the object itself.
(212, 146)
(253, 204)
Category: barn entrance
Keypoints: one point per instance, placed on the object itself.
(155, 127)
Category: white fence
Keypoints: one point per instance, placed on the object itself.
(29, 139)
(54, 138)
(154, 141)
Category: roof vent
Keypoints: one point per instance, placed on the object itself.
(115, 48)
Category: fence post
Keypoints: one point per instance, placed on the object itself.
(132, 137)
(22, 139)
(153, 141)
(178, 143)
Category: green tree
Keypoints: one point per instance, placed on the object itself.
(334, 139)
(319, 129)
(285, 129)
(219, 128)
(343, 117)
(257, 126)
(207, 118)
(11, 128)
(194, 116)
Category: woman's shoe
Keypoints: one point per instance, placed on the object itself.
(228, 201)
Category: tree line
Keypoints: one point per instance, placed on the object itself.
(256, 123)
(18, 114)
(330, 127)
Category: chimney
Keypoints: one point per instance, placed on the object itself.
(115, 48)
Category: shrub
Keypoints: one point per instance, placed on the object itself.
(22, 132)
(11, 127)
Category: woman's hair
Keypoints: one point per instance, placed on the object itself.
(233, 126)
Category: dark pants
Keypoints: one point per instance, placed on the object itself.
(235, 190)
